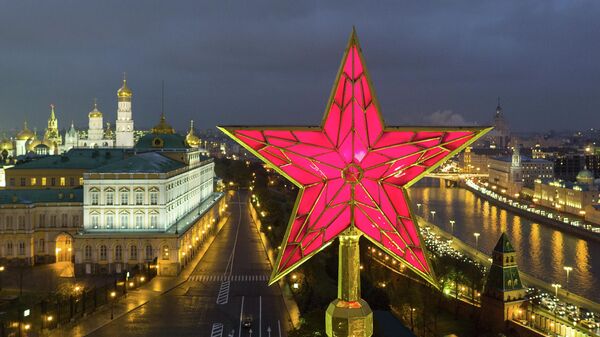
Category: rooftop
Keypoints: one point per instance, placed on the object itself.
(36, 196)
(148, 162)
(74, 159)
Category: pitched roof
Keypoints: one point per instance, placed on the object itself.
(158, 141)
(148, 162)
(35, 196)
(74, 159)
(504, 245)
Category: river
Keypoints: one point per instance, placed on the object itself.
(542, 250)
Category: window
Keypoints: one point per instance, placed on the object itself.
(9, 248)
(43, 181)
(80, 180)
(42, 246)
(71, 181)
(124, 198)
(153, 221)
(149, 254)
(139, 221)
(53, 221)
(110, 221)
(110, 197)
(124, 220)
(62, 181)
(118, 253)
(21, 222)
(64, 221)
(139, 198)
(133, 253)
(103, 256)
(9, 222)
(53, 181)
(33, 181)
(21, 248)
(87, 252)
(153, 198)
(94, 221)
(42, 222)
(12, 182)
(165, 253)
(75, 220)
(94, 196)
(23, 182)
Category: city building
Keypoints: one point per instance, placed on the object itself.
(97, 136)
(149, 210)
(566, 196)
(567, 166)
(499, 136)
(59, 171)
(476, 159)
(37, 226)
(518, 171)
(503, 294)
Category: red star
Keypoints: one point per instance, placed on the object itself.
(352, 171)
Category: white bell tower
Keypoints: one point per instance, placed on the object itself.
(124, 123)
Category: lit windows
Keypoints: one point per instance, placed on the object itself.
(153, 221)
(63, 181)
(139, 221)
(94, 196)
(33, 181)
(153, 198)
(165, 253)
(110, 198)
(124, 220)
(103, 254)
(94, 221)
(124, 198)
(139, 198)
(110, 221)
(43, 181)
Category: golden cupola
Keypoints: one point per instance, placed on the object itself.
(95, 113)
(124, 93)
(163, 127)
(25, 134)
(191, 139)
(6, 144)
(33, 142)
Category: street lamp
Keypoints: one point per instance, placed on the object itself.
(452, 227)
(113, 294)
(556, 286)
(432, 216)
(476, 235)
(419, 207)
(1, 272)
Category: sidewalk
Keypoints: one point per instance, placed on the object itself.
(135, 298)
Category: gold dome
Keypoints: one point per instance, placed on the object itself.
(191, 139)
(6, 144)
(163, 127)
(124, 91)
(25, 134)
(33, 142)
(95, 113)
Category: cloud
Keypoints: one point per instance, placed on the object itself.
(446, 118)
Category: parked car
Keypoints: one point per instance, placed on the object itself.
(588, 324)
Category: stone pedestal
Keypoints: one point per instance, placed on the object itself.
(349, 315)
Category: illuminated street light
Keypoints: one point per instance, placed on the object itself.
(419, 207)
(476, 235)
(432, 216)
(568, 270)
(452, 227)
(113, 294)
(556, 286)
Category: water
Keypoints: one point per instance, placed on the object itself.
(542, 251)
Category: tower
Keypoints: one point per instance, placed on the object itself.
(21, 140)
(51, 133)
(124, 123)
(500, 134)
(516, 172)
(503, 294)
(95, 130)
(71, 138)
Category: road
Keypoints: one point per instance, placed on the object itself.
(228, 285)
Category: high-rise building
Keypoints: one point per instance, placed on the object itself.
(124, 122)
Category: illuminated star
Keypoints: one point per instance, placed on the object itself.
(353, 171)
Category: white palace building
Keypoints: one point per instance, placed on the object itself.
(150, 210)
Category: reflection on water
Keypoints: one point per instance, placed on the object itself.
(542, 251)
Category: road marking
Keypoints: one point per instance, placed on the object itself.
(217, 330)
(241, 316)
(231, 278)
(279, 327)
(223, 297)
(259, 316)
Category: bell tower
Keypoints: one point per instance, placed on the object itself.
(124, 123)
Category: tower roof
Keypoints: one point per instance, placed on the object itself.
(95, 112)
(24, 134)
(163, 127)
(191, 139)
(504, 245)
(124, 91)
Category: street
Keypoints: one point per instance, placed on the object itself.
(227, 290)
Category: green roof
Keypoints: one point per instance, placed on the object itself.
(158, 141)
(504, 245)
(74, 159)
(504, 279)
(35, 196)
(148, 162)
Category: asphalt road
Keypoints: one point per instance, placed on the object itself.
(228, 285)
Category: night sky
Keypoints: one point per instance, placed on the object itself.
(255, 62)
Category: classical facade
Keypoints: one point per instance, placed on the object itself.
(151, 209)
(513, 173)
(566, 196)
(37, 226)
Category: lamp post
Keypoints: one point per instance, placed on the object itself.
(1, 272)
(419, 207)
(113, 294)
(432, 216)
(568, 270)
(476, 235)
(556, 286)
(452, 227)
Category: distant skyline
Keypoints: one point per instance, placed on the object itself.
(273, 62)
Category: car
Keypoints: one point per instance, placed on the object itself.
(588, 324)
(247, 322)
